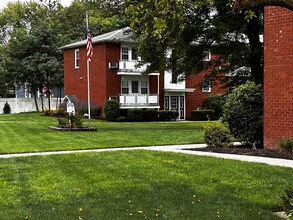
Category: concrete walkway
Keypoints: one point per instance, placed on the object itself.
(169, 148)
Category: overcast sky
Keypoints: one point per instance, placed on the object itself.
(3, 3)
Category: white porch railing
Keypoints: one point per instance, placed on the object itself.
(131, 66)
(138, 100)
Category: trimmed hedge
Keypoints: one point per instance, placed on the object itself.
(150, 114)
(203, 114)
(134, 114)
(166, 115)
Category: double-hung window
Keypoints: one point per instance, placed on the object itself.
(124, 53)
(76, 58)
(125, 87)
(144, 87)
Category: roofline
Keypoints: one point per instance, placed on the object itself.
(107, 39)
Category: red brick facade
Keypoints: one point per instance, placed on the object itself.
(278, 75)
(106, 83)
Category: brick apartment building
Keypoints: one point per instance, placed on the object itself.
(278, 75)
(115, 75)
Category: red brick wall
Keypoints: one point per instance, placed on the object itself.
(104, 82)
(278, 75)
(197, 99)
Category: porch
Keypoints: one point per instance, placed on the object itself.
(139, 101)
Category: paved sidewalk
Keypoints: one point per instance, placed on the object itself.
(169, 148)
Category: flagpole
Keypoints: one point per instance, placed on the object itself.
(88, 78)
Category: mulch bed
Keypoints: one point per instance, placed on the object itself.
(272, 153)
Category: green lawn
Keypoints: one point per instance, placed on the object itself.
(139, 185)
(29, 133)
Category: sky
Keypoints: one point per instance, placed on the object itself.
(3, 3)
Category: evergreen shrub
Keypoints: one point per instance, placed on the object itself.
(6, 108)
(217, 135)
(167, 115)
(216, 102)
(112, 110)
(150, 114)
(243, 111)
(202, 114)
(134, 114)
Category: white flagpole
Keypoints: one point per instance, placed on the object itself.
(88, 78)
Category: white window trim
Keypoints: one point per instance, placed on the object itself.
(129, 54)
(76, 58)
(207, 56)
(139, 86)
(206, 88)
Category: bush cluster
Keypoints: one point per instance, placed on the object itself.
(71, 121)
(167, 115)
(203, 114)
(112, 110)
(217, 135)
(286, 144)
(243, 111)
(6, 108)
(134, 114)
(216, 102)
(150, 114)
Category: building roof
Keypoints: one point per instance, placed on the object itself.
(118, 36)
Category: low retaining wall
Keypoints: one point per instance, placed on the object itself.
(19, 105)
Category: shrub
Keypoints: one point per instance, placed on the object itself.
(150, 114)
(6, 108)
(82, 108)
(217, 135)
(243, 112)
(166, 115)
(216, 102)
(287, 201)
(112, 110)
(121, 119)
(202, 115)
(286, 144)
(71, 121)
(134, 114)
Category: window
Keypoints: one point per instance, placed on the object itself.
(206, 86)
(134, 86)
(207, 56)
(124, 53)
(76, 58)
(144, 87)
(125, 87)
(134, 54)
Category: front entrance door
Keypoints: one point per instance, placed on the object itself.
(176, 103)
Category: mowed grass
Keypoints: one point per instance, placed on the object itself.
(29, 133)
(139, 185)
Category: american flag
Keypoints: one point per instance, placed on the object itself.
(89, 47)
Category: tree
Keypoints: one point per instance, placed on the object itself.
(190, 29)
(242, 4)
(35, 57)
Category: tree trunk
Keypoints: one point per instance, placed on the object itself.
(256, 49)
(36, 102)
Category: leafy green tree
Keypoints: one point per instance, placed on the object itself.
(190, 29)
(36, 59)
